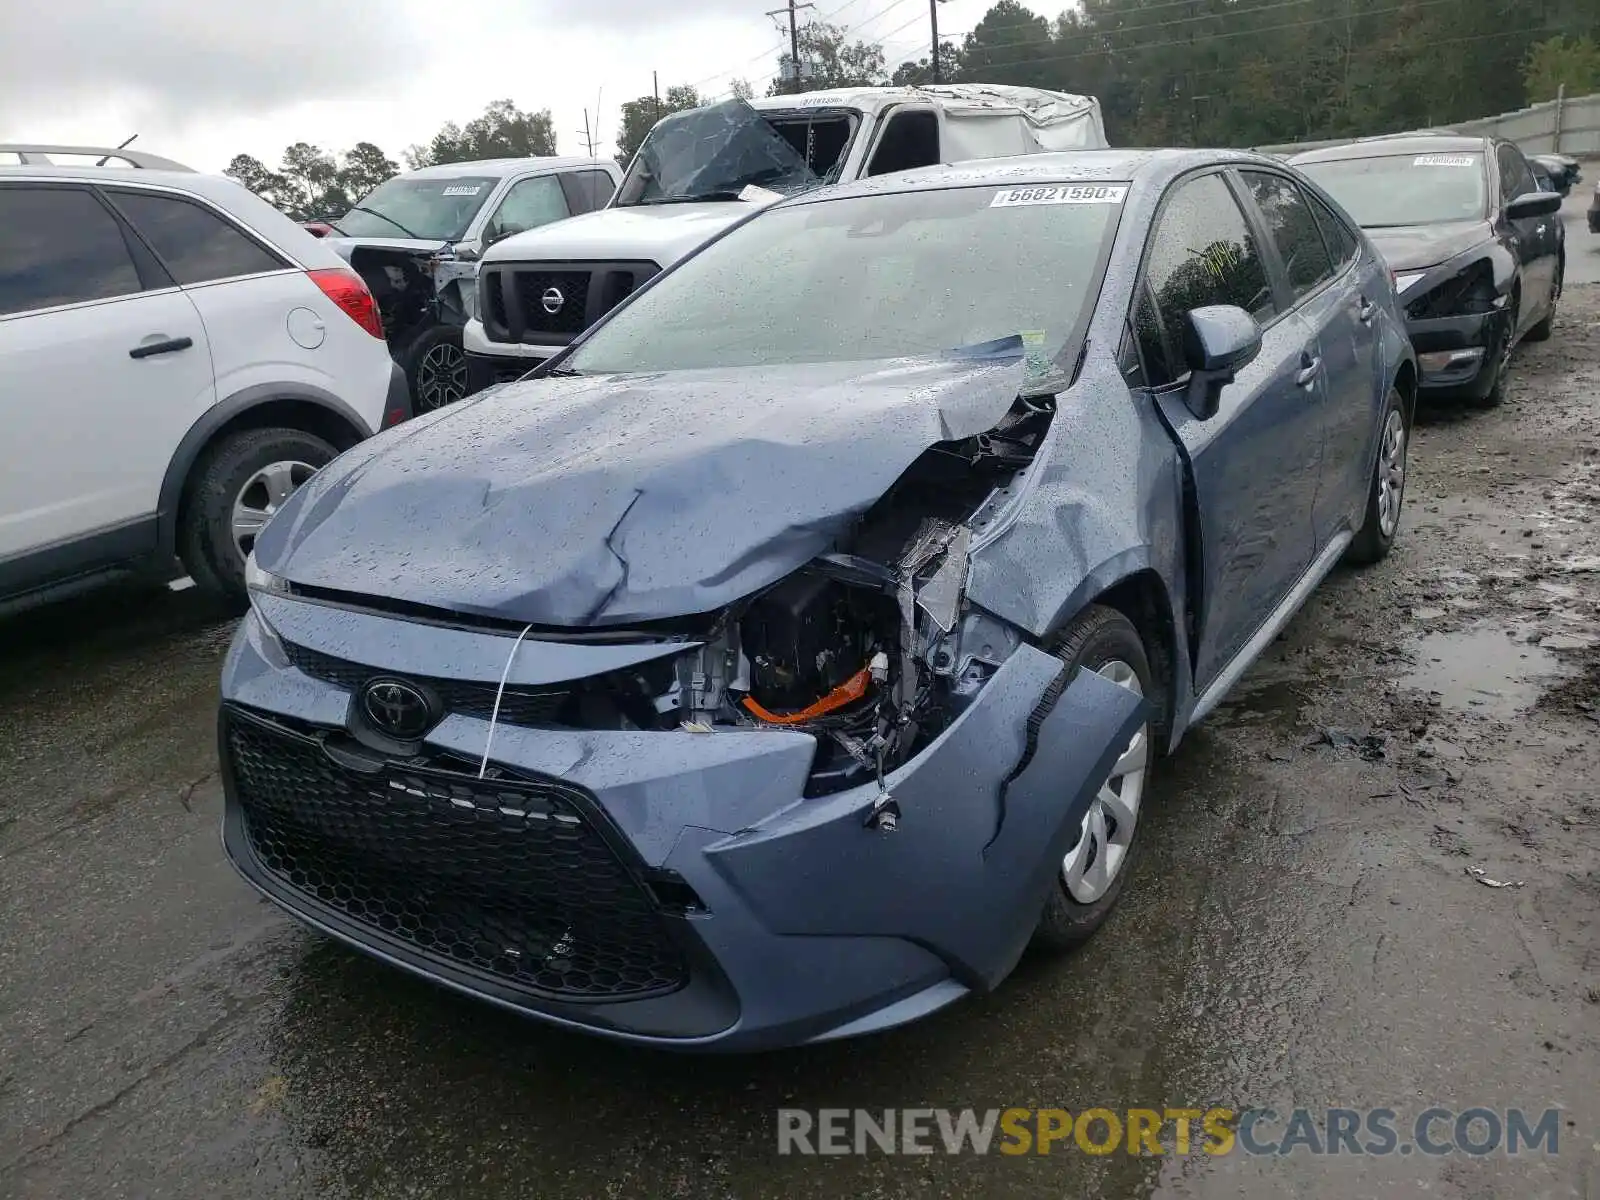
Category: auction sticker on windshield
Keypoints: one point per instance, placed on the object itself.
(1074, 193)
(462, 189)
(1444, 160)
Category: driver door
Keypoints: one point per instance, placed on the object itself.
(1255, 464)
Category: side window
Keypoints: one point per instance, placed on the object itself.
(586, 190)
(1342, 242)
(1154, 355)
(1202, 252)
(194, 243)
(1293, 229)
(529, 204)
(1516, 177)
(910, 140)
(59, 246)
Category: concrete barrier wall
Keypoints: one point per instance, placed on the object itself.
(1535, 129)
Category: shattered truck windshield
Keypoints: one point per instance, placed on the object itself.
(427, 207)
(715, 152)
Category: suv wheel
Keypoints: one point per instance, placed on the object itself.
(241, 482)
(1096, 867)
(1542, 331)
(436, 369)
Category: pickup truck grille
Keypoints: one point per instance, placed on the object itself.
(549, 304)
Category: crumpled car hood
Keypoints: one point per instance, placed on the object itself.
(1414, 247)
(604, 500)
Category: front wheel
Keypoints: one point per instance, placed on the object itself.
(1387, 489)
(1542, 331)
(1095, 868)
(436, 369)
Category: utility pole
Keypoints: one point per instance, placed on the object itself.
(588, 138)
(933, 17)
(655, 87)
(794, 37)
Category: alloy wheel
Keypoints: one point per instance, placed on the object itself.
(1093, 864)
(441, 376)
(1391, 472)
(262, 496)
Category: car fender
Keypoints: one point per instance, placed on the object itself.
(214, 419)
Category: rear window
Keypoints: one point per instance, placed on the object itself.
(1406, 189)
(194, 243)
(874, 277)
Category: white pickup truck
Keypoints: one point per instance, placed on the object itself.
(699, 171)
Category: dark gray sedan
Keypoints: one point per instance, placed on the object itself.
(797, 648)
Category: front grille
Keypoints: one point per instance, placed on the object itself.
(513, 295)
(574, 288)
(519, 705)
(512, 879)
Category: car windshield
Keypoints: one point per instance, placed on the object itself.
(1406, 189)
(874, 277)
(434, 209)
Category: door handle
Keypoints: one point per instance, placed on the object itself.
(1367, 310)
(166, 346)
(1310, 367)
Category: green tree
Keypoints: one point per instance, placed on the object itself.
(835, 61)
(639, 117)
(364, 168)
(503, 131)
(919, 71)
(1557, 63)
(262, 180)
(1011, 45)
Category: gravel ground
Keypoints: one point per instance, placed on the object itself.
(1304, 927)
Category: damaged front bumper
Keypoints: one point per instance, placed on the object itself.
(1456, 355)
(671, 888)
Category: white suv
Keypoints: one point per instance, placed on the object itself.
(176, 357)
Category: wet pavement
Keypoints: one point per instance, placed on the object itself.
(1304, 927)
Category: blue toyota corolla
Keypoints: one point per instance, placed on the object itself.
(791, 653)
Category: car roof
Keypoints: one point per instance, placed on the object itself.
(212, 187)
(501, 167)
(1397, 145)
(1088, 166)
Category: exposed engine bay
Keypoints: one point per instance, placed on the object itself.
(871, 648)
(413, 290)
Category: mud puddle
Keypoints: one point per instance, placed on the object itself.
(1484, 667)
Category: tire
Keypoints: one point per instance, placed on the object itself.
(1497, 389)
(1103, 640)
(436, 369)
(1386, 487)
(239, 469)
(1542, 331)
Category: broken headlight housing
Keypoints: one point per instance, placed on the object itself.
(1471, 291)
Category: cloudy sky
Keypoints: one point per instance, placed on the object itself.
(202, 80)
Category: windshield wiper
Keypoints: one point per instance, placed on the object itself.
(383, 217)
(562, 373)
(690, 199)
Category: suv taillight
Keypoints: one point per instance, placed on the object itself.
(349, 291)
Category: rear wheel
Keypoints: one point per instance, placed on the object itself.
(1096, 867)
(1387, 491)
(236, 488)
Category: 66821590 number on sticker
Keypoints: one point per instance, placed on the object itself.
(1062, 193)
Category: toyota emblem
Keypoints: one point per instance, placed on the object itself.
(397, 708)
(552, 300)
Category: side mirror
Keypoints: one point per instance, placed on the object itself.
(1218, 340)
(1533, 204)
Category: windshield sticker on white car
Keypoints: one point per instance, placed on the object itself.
(1443, 160)
(1088, 193)
(463, 189)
